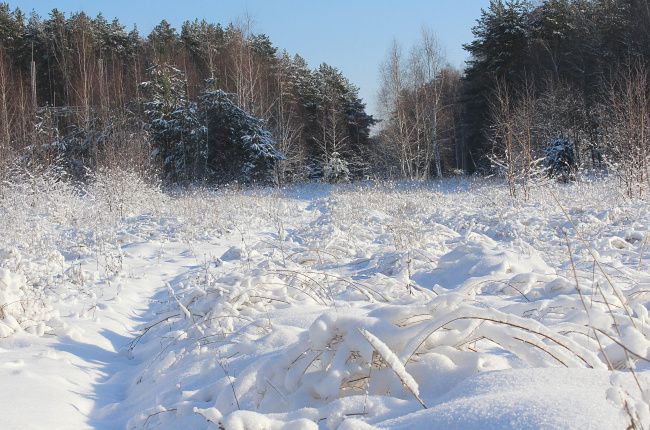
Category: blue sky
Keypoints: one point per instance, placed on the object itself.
(352, 35)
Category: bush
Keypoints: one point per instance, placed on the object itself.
(336, 170)
(561, 161)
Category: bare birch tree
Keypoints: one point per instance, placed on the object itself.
(428, 60)
(392, 98)
(515, 136)
(628, 128)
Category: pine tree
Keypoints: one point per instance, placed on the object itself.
(500, 45)
(166, 113)
(13, 36)
(163, 38)
(499, 53)
(237, 145)
(335, 118)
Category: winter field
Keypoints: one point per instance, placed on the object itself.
(393, 306)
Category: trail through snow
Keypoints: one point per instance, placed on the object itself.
(78, 380)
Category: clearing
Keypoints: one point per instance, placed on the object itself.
(385, 305)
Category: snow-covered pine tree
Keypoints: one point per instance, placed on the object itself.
(336, 120)
(336, 170)
(561, 161)
(170, 116)
(238, 148)
(212, 139)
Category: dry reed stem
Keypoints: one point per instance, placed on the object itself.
(596, 261)
(391, 368)
(551, 338)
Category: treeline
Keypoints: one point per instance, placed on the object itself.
(203, 104)
(560, 84)
(554, 85)
(551, 87)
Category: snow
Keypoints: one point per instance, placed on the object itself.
(350, 306)
(521, 398)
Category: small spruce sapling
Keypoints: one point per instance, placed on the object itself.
(561, 160)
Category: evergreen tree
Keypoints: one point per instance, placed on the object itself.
(212, 139)
(86, 74)
(163, 38)
(237, 145)
(561, 161)
(166, 113)
(499, 53)
(335, 117)
(500, 45)
(204, 42)
(14, 39)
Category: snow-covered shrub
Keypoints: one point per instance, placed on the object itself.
(116, 142)
(336, 170)
(20, 307)
(121, 192)
(26, 286)
(561, 161)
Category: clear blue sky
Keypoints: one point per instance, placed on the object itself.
(352, 35)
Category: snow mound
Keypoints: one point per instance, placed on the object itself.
(522, 399)
(21, 308)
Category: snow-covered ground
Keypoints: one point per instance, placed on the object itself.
(398, 306)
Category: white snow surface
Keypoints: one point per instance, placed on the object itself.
(375, 306)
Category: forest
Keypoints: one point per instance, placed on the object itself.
(551, 87)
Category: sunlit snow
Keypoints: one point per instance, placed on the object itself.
(381, 305)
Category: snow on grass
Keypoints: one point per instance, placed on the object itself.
(320, 306)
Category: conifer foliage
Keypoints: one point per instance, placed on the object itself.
(221, 104)
(209, 139)
(570, 72)
(237, 145)
(212, 103)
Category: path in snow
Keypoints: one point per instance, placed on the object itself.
(77, 378)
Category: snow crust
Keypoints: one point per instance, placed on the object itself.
(386, 306)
